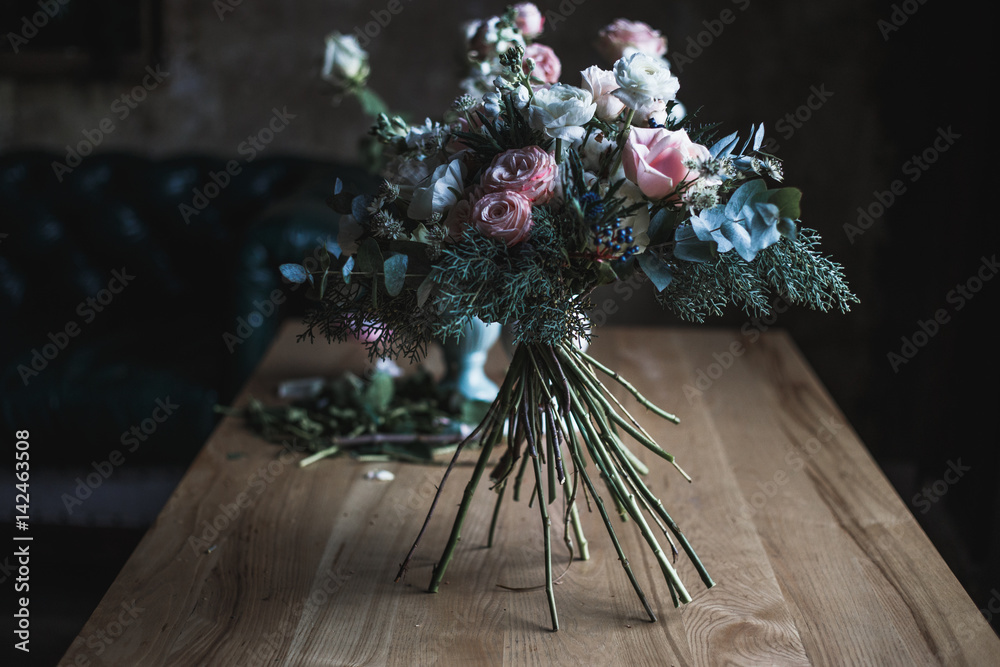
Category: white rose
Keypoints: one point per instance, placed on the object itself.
(642, 78)
(561, 111)
(601, 84)
(345, 63)
(439, 192)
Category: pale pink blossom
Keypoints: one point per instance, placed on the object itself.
(547, 65)
(529, 171)
(458, 218)
(657, 160)
(601, 84)
(503, 215)
(623, 37)
(529, 20)
(653, 112)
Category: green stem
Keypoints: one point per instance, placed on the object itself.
(470, 490)
(496, 513)
(622, 138)
(578, 460)
(321, 454)
(623, 382)
(547, 526)
(598, 451)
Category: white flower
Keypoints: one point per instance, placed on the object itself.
(345, 63)
(642, 78)
(652, 113)
(486, 39)
(593, 150)
(439, 192)
(601, 84)
(491, 105)
(521, 97)
(638, 221)
(561, 111)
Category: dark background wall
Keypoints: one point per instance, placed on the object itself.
(892, 78)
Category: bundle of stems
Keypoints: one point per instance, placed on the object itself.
(552, 404)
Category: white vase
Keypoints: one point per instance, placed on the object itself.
(465, 361)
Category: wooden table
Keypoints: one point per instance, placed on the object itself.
(255, 561)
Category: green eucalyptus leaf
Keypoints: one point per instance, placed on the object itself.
(424, 291)
(395, 273)
(657, 270)
(369, 257)
(294, 273)
(787, 200)
(345, 270)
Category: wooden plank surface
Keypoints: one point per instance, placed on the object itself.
(254, 561)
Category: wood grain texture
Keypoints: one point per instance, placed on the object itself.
(254, 561)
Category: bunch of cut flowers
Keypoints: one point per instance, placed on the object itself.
(526, 195)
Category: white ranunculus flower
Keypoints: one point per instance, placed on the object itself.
(561, 111)
(439, 192)
(345, 63)
(642, 78)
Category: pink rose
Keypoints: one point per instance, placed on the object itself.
(503, 215)
(529, 171)
(624, 35)
(547, 65)
(458, 219)
(529, 20)
(653, 159)
(601, 84)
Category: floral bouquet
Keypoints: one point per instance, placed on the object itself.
(523, 198)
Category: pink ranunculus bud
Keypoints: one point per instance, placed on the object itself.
(601, 84)
(529, 171)
(654, 159)
(623, 36)
(547, 65)
(529, 20)
(458, 219)
(503, 215)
